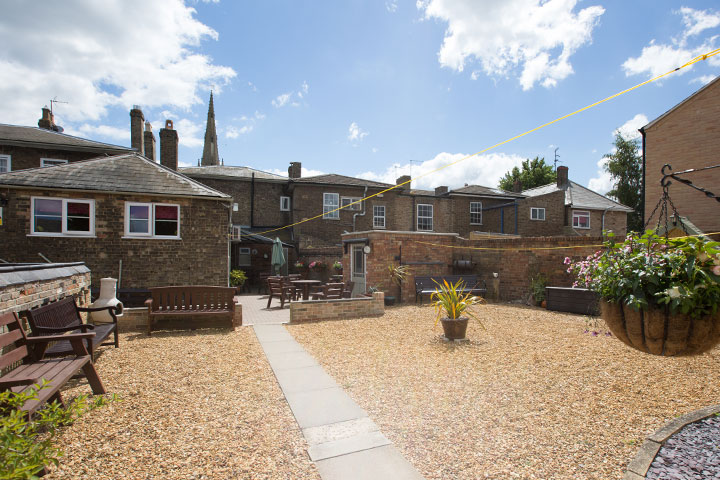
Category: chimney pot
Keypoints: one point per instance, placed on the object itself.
(149, 142)
(295, 170)
(562, 177)
(517, 186)
(442, 190)
(47, 121)
(169, 146)
(403, 179)
(137, 120)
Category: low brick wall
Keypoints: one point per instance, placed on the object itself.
(341, 309)
(135, 319)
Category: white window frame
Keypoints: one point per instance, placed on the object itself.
(245, 251)
(64, 230)
(377, 217)
(418, 217)
(479, 212)
(328, 213)
(534, 213)
(348, 200)
(151, 221)
(581, 213)
(8, 163)
(52, 162)
(284, 204)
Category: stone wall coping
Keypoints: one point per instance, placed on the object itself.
(335, 300)
(28, 273)
(400, 232)
(639, 466)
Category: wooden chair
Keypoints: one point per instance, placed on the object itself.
(34, 369)
(348, 289)
(329, 291)
(277, 288)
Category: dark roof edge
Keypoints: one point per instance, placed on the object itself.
(224, 197)
(59, 146)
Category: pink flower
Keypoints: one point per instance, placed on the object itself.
(716, 270)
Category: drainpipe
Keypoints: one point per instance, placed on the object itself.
(252, 199)
(516, 218)
(602, 229)
(414, 215)
(642, 187)
(363, 210)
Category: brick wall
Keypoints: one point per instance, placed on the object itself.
(24, 157)
(199, 258)
(341, 309)
(688, 137)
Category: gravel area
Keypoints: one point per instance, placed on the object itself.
(693, 453)
(532, 397)
(195, 405)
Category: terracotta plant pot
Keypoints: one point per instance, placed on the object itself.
(658, 332)
(454, 328)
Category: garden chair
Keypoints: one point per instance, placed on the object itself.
(277, 288)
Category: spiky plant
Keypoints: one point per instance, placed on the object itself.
(449, 299)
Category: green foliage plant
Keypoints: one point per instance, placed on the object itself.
(28, 446)
(337, 265)
(533, 173)
(625, 168)
(398, 273)
(237, 278)
(646, 271)
(449, 301)
(537, 287)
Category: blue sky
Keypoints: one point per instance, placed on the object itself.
(376, 89)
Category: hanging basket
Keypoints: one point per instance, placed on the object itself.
(658, 332)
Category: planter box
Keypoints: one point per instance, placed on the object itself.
(573, 300)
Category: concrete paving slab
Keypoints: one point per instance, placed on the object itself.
(272, 333)
(321, 407)
(282, 347)
(381, 463)
(285, 360)
(304, 379)
(357, 443)
(340, 430)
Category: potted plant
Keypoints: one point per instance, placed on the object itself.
(537, 287)
(338, 266)
(450, 304)
(658, 295)
(237, 279)
(397, 273)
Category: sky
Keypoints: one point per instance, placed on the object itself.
(367, 88)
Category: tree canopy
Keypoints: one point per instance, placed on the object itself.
(625, 168)
(533, 173)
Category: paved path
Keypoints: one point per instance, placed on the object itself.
(255, 311)
(345, 443)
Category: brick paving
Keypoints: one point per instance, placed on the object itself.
(255, 311)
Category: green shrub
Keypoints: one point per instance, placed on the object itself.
(237, 278)
(537, 287)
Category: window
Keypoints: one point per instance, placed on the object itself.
(153, 220)
(537, 213)
(284, 204)
(475, 213)
(62, 216)
(52, 162)
(424, 218)
(243, 257)
(331, 201)
(348, 200)
(378, 216)
(581, 219)
(4, 163)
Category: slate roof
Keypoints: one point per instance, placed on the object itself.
(222, 171)
(577, 196)
(334, 179)
(130, 173)
(485, 191)
(39, 137)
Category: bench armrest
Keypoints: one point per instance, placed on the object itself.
(148, 303)
(57, 338)
(18, 381)
(114, 311)
(83, 326)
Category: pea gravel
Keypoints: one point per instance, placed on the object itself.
(532, 397)
(195, 405)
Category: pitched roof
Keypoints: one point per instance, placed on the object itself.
(220, 171)
(334, 179)
(129, 173)
(485, 191)
(577, 196)
(654, 122)
(39, 137)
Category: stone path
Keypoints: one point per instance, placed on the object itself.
(255, 311)
(345, 443)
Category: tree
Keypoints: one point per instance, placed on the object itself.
(625, 168)
(534, 173)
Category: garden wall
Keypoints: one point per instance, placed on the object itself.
(341, 309)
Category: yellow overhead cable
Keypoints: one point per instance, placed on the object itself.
(697, 59)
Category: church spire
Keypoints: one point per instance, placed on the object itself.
(210, 150)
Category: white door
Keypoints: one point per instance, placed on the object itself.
(357, 269)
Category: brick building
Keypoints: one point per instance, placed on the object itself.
(24, 147)
(687, 137)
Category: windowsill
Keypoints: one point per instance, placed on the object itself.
(331, 218)
(61, 235)
(537, 219)
(475, 223)
(378, 228)
(126, 237)
(582, 228)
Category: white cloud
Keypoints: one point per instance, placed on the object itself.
(486, 170)
(190, 133)
(703, 79)
(97, 55)
(93, 131)
(629, 129)
(602, 183)
(248, 125)
(391, 6)
(375, 150)
(658, 58)
(235, 132)
(281, 100)
(304, 172)
(537, 37)
(289, 98)
(355, 133)
(252, 86)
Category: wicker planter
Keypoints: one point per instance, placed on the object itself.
(657, 332)
(454, 328)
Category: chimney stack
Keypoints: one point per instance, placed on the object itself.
(442, 190)
(136, 129)
(169, 146)
(562, 177)
(517, 186)
(149, 142)
(47, 121)
(295, 170)
(403, 179)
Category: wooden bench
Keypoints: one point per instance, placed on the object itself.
(34, 369)
(216, 304)
(427, 285)
(64, 316)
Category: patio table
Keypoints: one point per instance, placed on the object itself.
(305, 285)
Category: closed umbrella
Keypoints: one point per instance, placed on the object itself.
(278, 258)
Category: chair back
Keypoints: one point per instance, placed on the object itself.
(347, 291)
(60, 314)
(334, 290)
(12, 343)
